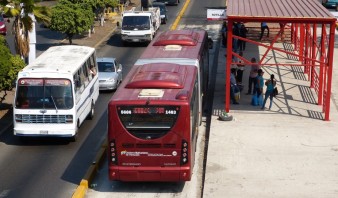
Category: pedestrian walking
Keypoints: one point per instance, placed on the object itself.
(242, 33)
(264, 26)
(269, 93)
(252, 77)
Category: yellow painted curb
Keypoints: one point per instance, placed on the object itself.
(81, 190)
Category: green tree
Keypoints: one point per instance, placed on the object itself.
(71, 18)
(23, 23)
(10, 65)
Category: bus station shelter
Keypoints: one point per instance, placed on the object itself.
(312, 30)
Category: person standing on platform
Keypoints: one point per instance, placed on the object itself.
(240, 69)
(235, 31)
(224, 34)
(252, 77)
(270, 85)
(233, 86)
(260, 84)
(242, 33)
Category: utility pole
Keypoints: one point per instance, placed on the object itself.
(32, 40)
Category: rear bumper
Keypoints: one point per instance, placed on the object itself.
(161, 174)
(3, 32)
(330, 4)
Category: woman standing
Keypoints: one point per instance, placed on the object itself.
(270, 84)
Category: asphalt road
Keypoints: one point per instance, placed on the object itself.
(53, 167)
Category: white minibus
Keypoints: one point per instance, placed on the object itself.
(56, 92)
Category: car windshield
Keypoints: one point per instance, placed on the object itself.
(106, 67)
(135, 22)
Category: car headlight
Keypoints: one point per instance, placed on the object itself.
(111, 80)
(2, 26)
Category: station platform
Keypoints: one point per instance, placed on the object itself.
(288, 151)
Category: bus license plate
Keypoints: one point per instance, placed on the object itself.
(44, 132)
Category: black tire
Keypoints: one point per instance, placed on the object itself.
(74, 138)
(92, 111)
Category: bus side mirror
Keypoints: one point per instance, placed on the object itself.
(118, 24)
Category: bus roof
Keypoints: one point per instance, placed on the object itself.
(61, 59)
(157, 82)
(176, 44)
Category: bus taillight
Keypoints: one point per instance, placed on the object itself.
(113, 155)
(184, 155)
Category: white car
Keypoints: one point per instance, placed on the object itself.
(110, 73)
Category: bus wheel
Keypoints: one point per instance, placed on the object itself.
(92, 112)
(74, 138)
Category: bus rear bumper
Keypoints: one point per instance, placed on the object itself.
(161, 174)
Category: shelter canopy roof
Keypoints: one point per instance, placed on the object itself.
(304, 11)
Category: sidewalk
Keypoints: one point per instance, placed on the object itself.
(288, 151)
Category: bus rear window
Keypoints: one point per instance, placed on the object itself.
(148, 122)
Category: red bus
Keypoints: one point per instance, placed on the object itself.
(154, 115)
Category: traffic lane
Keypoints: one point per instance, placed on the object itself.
(41, 167)
(102, 187)
(9, 36)
(46, 38)
(127, 55)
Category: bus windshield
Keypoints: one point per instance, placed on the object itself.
(148, 122)
(44, 94)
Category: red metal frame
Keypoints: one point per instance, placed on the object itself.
(312, 55)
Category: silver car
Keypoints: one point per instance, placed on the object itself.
(110, 73)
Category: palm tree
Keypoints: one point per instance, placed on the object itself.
(21, 10)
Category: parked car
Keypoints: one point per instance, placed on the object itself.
(3, 29)
(169, 2)
(163, 11)
(330, 4)
(110, 73)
